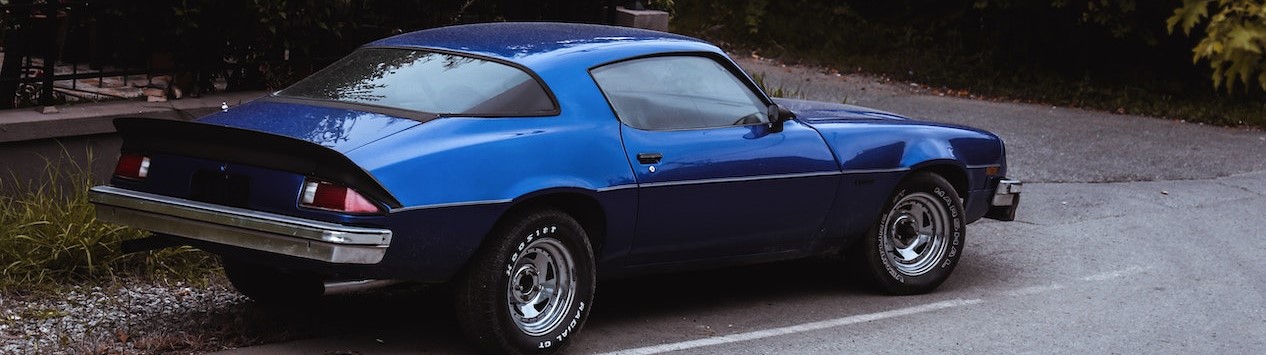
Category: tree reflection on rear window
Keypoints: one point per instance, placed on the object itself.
(424, 81)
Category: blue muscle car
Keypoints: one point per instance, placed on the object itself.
(521, 162)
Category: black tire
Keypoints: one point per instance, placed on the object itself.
(502, 300)
(918, 239)
(271, 286)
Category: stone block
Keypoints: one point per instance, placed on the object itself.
(648, 19)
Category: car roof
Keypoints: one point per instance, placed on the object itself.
(543, 45)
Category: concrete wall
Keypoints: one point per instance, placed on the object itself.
(30, 140)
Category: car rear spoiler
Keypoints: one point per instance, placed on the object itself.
(241, 146)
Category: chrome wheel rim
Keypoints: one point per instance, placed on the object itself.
(915, 233)
(542, 286)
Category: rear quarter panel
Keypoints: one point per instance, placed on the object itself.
(486, 166)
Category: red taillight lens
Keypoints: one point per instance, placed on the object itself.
(334, 197)
(132, 166)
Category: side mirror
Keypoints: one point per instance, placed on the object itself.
(777, 116)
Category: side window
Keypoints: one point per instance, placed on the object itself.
(681, 92)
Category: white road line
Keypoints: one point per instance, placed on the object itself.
(1033, 290)
(861, 318)
(1104, 276)
(801, 328)
(1116, 274)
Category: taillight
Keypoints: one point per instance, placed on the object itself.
(132, 166)
(334, 197)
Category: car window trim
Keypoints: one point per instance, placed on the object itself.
(725, 63)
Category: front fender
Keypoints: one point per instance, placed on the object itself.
(889, 145)
(875, 155)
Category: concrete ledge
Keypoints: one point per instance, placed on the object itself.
(648, 19)
(86, 119)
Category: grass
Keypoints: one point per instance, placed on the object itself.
(50, 237)
(777, 91)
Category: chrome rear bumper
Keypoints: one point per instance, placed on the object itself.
(268, 232)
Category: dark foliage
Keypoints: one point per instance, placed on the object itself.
(1111, 54)
(272, 42)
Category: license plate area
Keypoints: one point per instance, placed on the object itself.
(220, 188)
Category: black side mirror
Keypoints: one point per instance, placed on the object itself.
(777, 116)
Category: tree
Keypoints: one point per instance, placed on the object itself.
(15, 47)
(1234, 38)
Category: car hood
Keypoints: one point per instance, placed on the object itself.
(814, 111)
(340, 129)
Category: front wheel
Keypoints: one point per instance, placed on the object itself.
(918, 240)
(530, 288)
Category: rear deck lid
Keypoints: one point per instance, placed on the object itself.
(340, 129)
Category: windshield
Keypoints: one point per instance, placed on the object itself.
(424, 81)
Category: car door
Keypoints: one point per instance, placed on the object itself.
(714, 178)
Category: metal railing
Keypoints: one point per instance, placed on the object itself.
(37, 35)
(34, 73)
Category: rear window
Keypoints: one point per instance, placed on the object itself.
(425, 81)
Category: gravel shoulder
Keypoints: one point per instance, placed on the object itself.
(1046, 144)
(129, 317)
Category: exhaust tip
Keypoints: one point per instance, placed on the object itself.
(344, 287)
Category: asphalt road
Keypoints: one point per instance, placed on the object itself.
(1135, 235)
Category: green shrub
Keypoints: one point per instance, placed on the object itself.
(49, 236)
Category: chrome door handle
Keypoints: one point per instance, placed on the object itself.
(649, 158)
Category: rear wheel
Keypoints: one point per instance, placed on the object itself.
(917, 241)
(270, 285)
(530, 288)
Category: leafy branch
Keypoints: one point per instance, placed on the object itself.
(1234, 38)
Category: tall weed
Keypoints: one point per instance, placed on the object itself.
(50, 236)
(780, 90)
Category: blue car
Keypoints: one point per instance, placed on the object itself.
(522, 162)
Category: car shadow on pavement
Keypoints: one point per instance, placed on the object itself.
(402, 318)
(420, 319)
(423, 317)
(780, 282)
(660, 309)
